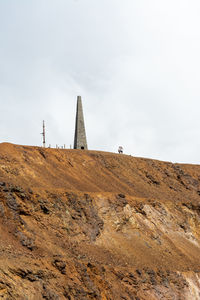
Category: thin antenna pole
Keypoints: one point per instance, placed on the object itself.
(43, 134)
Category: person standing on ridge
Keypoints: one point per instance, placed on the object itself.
(120, 150)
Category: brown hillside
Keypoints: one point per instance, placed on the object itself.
(94, 225)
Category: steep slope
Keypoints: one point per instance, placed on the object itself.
(92, 225)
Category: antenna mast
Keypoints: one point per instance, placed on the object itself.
(43, 134)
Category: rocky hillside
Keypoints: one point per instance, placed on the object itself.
(94, 225)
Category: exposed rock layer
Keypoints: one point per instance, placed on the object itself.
(93, 225)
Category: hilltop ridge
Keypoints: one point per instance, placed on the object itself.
(80, 224)
(93, 171)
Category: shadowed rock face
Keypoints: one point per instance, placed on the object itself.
(94, 225)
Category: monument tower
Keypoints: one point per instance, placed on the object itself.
(80, 141)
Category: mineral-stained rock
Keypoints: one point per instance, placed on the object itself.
(59, 264)
(11, 202)
(1, 210)
(112, 227)
(25, 240)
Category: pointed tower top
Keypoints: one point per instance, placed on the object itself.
(80, 141)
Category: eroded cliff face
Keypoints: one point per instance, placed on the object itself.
(93, 225)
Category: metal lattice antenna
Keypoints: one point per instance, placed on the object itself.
(44, 135)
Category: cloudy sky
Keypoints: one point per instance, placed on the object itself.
(136, 64)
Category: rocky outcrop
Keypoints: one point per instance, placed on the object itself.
(93, 225)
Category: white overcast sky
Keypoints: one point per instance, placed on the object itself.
(136, 64)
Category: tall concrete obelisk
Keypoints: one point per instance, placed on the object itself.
(80, 141)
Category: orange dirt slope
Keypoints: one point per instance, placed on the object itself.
(94, 225)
